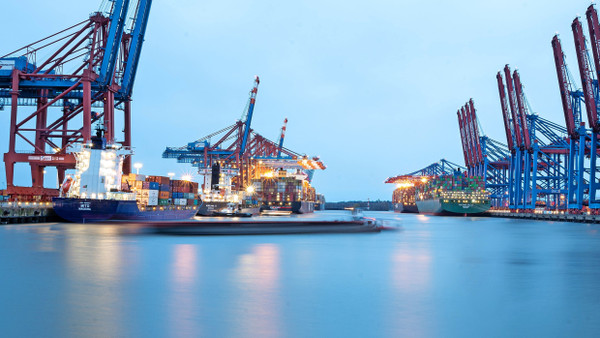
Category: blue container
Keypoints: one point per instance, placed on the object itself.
(154, 186)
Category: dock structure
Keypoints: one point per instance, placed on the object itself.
(26, 212)
(547, 216)
(81, 75)
(546, 170)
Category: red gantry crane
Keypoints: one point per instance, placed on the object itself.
(88, 74)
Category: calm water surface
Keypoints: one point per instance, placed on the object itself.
(434, 277)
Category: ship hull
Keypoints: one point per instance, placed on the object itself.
(298, 207)
(251, 210)
(438, 207)
(80, 210)
(210, 208)
(405, 208)
(214, 209)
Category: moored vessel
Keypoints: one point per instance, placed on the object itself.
(100, 192)
(403, 197)
(282, 190)
(406, 208)
(456, 194)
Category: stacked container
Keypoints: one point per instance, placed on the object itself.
(160, 190)
(281, 189)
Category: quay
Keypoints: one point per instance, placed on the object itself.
(544, 216)
(26, 212)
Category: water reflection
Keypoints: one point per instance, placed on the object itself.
(458, 277)
(257, 304)
(183, 316)
(411, 275)
(95, 270)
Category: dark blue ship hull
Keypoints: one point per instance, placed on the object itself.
(80, 210)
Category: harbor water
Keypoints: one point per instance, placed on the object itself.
(432, 277)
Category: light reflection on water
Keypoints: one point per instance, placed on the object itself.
(182, 309)
(437, 276)
(95, 263)
(257, 301)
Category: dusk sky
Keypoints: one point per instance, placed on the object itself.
(370, 87)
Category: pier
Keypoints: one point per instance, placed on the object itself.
(26, 212)
(558, 216)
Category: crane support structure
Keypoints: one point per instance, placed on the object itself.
(592, 74)
(545, 163)
(525, 200)
(571, 100)
(536, 165)
(76, 86)
(238, 148)
(518, 162)
(441, 168)
(484, 157)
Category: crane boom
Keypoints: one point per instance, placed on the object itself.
(463, 115)
(461, 127)
(512, 100)
(475, 130)
(283, 129)
(586, 74)
(594, 28)
(248, 121)
(117, 24)
(505, 115)
(563, 83)
(135, 50)
(522, 111)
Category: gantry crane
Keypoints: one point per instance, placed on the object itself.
(484, 157)
(239, 152)
(89, 73)
(537, 160)
(571, 98)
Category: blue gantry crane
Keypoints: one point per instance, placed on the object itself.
(484, 156)
(538, 149)
(238, 148)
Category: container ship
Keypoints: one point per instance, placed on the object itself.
(218, 197)
(403, 197)
(99, 192)
(452, 195)
(282, 191)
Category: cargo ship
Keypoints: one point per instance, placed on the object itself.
(403, 197)
(100, 192)
(456, 194)
(218, 197)
(282, 191)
